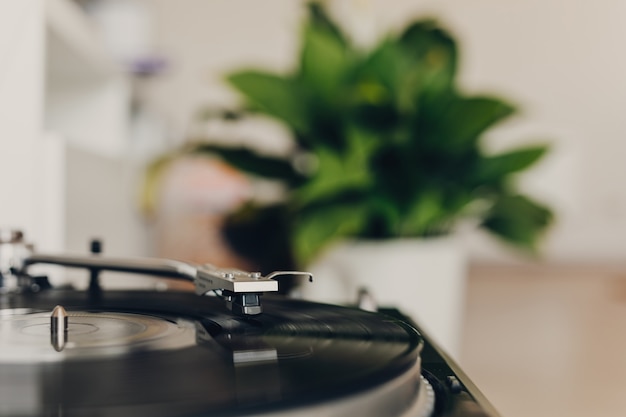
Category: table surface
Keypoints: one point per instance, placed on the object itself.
(548, 340)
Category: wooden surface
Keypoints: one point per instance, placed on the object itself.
(548, 340)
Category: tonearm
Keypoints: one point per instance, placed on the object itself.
(240, 289)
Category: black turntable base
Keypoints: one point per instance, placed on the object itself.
(228, 348)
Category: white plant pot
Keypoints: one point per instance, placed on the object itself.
(424, 278)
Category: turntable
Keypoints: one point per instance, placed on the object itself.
(228, 346)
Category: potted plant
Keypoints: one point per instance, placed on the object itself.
(387, 147)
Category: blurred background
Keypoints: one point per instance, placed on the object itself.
(91, 92)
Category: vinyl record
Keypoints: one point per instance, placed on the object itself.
(173, 354)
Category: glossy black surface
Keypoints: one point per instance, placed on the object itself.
(295, 353)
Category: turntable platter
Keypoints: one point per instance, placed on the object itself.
(163, 354)
(26, 335)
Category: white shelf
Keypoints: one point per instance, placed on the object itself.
(86, 92)
(73, 46)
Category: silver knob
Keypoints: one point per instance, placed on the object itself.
(58, 328)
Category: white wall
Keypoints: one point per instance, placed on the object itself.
(563, 63)
(21, 81)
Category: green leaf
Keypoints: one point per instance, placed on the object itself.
(435, 210)
(324, 64)
(422, 214)
(494, 168)
(518, 220)
(248, 161)
(340, 172)
(373, 99)
(434, 54)
(315, 231)
(380, 74)
(322, 22)
(333, 177)
(466, 118)
(280, 97)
